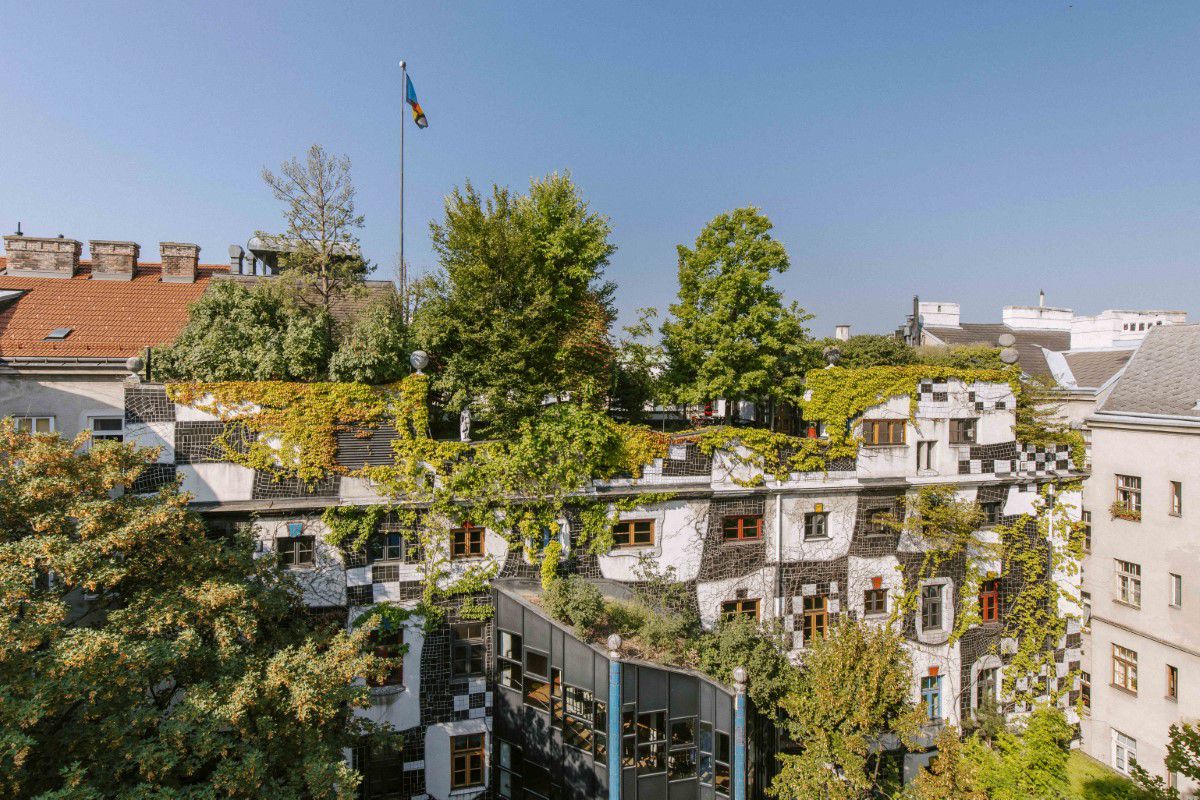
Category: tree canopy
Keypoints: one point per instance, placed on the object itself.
(730, 335)
(519, 310)
(144, 658)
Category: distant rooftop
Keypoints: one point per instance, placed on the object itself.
(1162, 377)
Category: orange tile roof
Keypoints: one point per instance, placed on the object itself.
(109, 318)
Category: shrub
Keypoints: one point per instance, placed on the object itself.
(576, 602)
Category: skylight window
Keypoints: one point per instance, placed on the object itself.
(58, 334)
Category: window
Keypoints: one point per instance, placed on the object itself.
(681, 760)
(1176, 590)
(931, 608)
(1085, 690)
(879, 522)
(989, 601)
(875, 602)
(816, 525)
(466, 542)
(962, 431)
(883, 432)
(1129, 583)
(1085, 517)
(33, 424)
(537, 780)
(468, 648)
(1124, 666)
(508, 778)
(385, 573)
(991, 512)
(1176, 499)
(742, 528)
(389, 644)
(925, 455)
(1129, 492)
(987, 686)
(1124, 752)
(634, 533)
(1085, 601)
(394, 547)
(1172, 682)
(508, 660)
(931, 696)
(816, 617)
(741, 607)
(723, 759)
(111, 429)
(295, 551)
(466, 761)
(651, 742)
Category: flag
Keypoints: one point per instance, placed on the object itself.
(411, 96)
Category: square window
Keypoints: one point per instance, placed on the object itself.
(879, 522)
(634, 533)
(466, 542)
(991, 512)
(1129, 492)
(33, 424)
(816, 525)
(743, 607)
(468, 648)
(742, 528)
(875, 602)
(295, 551)
(962, 431)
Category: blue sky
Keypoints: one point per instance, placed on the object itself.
(974, 152)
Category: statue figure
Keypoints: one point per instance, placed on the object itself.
(464, 424)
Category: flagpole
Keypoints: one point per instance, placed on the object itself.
(403, 267)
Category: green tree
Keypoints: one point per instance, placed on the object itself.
(871, 350)
(1030, 764)
(375, 348)
(730, 334)
(854, 687)
(741, 642)
(142, 658)
(954, 773)
(240, 333)
(519, 310)
(636, 368)
(1183, 757)
(320, 244)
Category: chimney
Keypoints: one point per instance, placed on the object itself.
(841, 333)
(114, 261)
(35, 257)
(1041, 298)
(236, 254)
(179, 261)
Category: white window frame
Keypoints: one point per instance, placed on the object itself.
(100, 436)
(1176, 498)
(1176, 589)
(31, 420)
(1128, 582)
(1124, 752)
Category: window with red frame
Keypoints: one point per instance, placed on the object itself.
(742, 529)
(989, 601)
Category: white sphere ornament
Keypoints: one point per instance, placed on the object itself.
(739, 674)
(134, 364)
(614, 641)
(419, 360)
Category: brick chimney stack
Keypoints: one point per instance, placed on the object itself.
(179, 261)
(114, 261)
(36, 257)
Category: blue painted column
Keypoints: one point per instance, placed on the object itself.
(614, 717)
(739, 733)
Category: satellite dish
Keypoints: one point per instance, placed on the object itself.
(1009, 355)
(1006, 340)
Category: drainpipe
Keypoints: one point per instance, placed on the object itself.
(779, 556)
(739, 734)
(614, 717)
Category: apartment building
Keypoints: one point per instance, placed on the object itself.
(802, 551)
(1140, 577)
